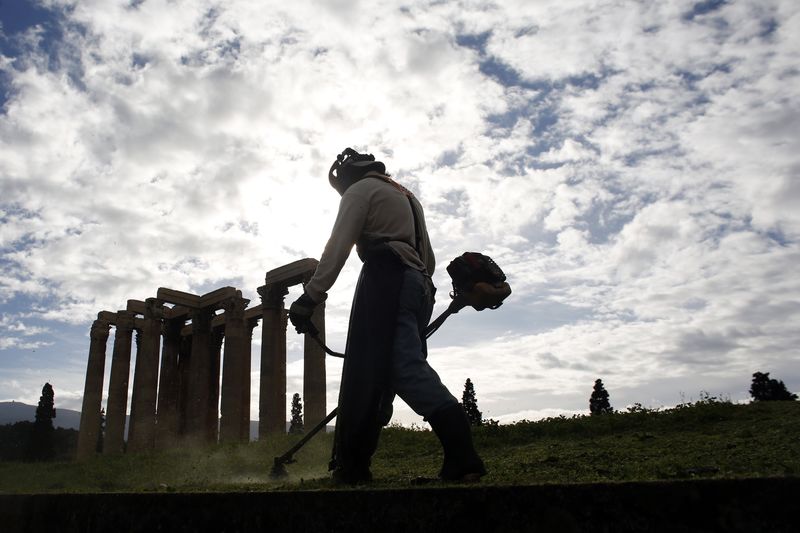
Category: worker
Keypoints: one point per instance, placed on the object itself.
(386, 353)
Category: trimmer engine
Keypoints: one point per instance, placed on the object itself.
(478, 281)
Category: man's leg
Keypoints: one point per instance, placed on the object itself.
(420, 386)
(461, 461)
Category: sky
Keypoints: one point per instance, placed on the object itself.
(632, 166)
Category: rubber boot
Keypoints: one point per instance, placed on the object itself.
(352, 457)
(356, 474)
(461, 461)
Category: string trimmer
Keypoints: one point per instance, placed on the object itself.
(477, 282)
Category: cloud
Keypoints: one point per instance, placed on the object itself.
(15, 342)
(632, 167)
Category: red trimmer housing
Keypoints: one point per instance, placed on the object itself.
(478, 281)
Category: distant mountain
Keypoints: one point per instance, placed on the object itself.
(11, 412)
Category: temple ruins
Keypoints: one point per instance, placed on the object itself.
(176, 398)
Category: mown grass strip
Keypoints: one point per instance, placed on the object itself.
(703, 440)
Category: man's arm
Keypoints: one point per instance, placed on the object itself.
(347, 228)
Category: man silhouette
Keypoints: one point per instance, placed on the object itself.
(386, 353)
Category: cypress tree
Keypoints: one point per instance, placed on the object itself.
(40, 446)
(598, 401)
(296, 425)
(470, 404)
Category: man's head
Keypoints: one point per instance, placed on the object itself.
(350, 166)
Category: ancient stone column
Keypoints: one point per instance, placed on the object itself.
(272, 393)
(141, 434)
(314, 372)
(169, 381)
(114, 440)
(93, 390)
(200, 366)
(184, 368)
(212, 422)
(232, 374)
(246, 379)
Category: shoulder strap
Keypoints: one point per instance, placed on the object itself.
(411, 200)
(417, 239)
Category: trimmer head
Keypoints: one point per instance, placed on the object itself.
(278, 469)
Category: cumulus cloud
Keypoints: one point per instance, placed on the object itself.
(632, 167)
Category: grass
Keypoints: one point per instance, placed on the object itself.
(708, 439)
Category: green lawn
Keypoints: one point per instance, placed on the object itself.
(707, 439)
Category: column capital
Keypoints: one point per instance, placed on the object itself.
(234, 307)
(272, 295)
(99, 330)
(125, 321)
(154, 308)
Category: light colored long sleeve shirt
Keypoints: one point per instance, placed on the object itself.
(372, 209)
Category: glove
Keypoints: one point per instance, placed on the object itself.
(300, 313)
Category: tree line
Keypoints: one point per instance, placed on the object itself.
(762, 389)
(41, 441)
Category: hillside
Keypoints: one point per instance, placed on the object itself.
(11, 412)
(705, 440)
